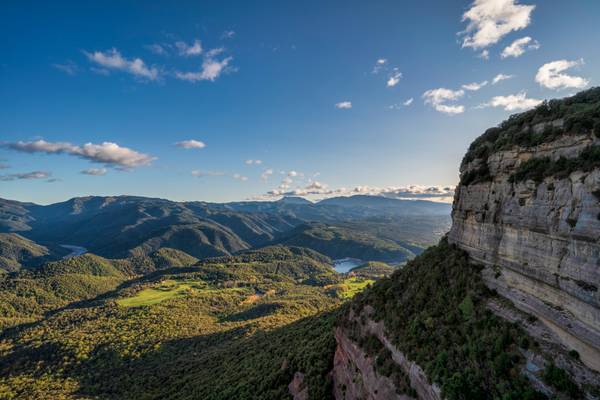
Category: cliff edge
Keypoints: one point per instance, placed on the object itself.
(508, 304)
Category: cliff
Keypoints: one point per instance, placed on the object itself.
(533, 219)
(507, 306)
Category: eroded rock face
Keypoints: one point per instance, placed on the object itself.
(540, 243)
(297, 388)
(354, 373)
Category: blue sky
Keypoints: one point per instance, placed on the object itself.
(104, 98)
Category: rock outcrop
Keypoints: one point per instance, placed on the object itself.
(539, 239)
(355, 376)
(527, 210)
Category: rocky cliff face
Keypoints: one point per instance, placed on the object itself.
(527, 210)
(539, 240)
(355, 373)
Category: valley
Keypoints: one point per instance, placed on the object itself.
(348, 298)
(300, 200)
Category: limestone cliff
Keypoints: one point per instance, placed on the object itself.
(533, 219)
(526, 228)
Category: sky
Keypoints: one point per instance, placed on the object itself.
(239, 100)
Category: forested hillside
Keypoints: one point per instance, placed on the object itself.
(231, 327)
(118, 227)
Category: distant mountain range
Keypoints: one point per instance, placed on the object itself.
(123, 226)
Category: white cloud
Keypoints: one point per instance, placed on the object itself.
(240, 177)
(321, 190)
(485, 55)
(518, 47)
(112, 59)
(474, 86)
(199, 174)
(501, 77)
(228, 34)
(550, 75)
(450, 110)
(379, 65)
(438, 98)
(107, 153)
(408, 102)
(343, 105)
(157, 49)
(25, 176)
(95, 171)
(267, 173)
(210, 71)
(112, 154)
(188, 50)
(491, 20)
(190, 144)
(253, 162)
(512, 102)
(394, 78)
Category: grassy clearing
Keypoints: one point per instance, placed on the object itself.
(351, 286)
(168, 289)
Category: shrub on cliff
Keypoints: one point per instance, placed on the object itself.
(580, 115)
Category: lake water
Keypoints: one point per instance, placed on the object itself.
(344, 265)
(75, 250)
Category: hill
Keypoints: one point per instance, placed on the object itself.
(231, 327)
(373, 270)
(341, 242)
(28, 294)
(17, 252)
(121, 226)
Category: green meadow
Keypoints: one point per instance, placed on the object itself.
(351, 286)
(168, 289)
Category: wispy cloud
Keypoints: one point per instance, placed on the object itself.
(228, 34)
(94, 171)
(379, 65)
(488, 21)
(211, 69)
(405, 103)
(266, 174)
(551, 75)
(394, 78)
(474, 86)
(190, 144)
(343, 105)
(512, 102)
(157, 48)
(519, 46)
(438, 99)
(200, 174)
(69, 67)
(253, 162)
(113, 60)
(413, 192)
(4, 166)
(188, 50)
(484, 55)
(108, 153)
(501, 77)
(239, 177)
(25, 176)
